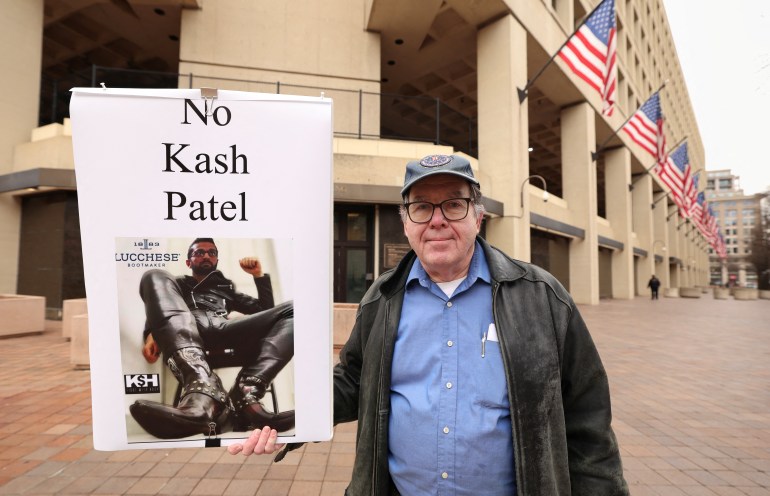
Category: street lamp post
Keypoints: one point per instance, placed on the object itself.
(545, 192)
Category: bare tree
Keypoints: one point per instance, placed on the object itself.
(760, 242)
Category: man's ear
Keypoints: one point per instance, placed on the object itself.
(189, 264)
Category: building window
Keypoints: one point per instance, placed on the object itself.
(353, 251)
(725, 183)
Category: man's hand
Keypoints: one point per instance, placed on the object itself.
(150, 350)
(251, 265)
(260, 442)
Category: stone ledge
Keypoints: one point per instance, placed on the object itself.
(344, 318)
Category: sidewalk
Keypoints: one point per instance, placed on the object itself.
(690, 381)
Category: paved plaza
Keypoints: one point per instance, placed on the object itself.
(690, 383)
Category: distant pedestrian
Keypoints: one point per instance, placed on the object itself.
(654, 284)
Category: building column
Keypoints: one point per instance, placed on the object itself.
(617, 174)
(674, 248)
(578, 172)
(21, 35)
(503, 131)
(684, 247)
(642, 199)
(660, 241)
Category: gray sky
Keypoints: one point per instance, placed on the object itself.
(724, 51)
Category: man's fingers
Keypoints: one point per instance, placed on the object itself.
(261, 441)
(234, 449)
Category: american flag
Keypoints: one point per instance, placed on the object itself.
(675, 173)
(592, 55)
(712, 227)
(691, 195)
(696, 211)
(645, 128)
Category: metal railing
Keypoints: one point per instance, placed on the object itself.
(357, 113)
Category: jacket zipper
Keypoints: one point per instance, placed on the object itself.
(516, 448)
(192, 291)
(375, 469)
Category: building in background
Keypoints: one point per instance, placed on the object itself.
(408, 79)
(738, 216)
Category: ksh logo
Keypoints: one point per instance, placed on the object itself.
(142, 383)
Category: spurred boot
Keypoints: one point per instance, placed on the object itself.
(249, 412)
(203, 406)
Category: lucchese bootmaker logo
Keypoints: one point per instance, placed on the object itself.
(435, 160)
(143, 258)
(142, 383)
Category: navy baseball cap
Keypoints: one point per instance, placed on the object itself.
(437, 164)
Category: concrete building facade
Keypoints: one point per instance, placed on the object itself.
(408, 79)
(738, 216)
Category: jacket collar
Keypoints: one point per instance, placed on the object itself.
(501, 268)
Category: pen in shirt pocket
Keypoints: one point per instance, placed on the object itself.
(484, 343)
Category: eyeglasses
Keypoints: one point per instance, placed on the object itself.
(212, 252)
(421, 212)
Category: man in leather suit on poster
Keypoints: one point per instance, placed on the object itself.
(187, 321)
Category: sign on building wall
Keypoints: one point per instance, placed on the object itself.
(197, 218)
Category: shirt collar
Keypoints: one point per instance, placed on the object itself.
(478, 269)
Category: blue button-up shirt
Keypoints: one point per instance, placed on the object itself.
(450, 423)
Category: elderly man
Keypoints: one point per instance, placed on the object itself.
(469, 372)
(187, 321)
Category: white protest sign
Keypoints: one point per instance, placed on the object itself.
(157, 169)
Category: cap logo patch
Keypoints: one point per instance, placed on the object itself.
(435, 161)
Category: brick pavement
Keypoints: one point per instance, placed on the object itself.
(690, 382)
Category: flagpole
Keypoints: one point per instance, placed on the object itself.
(524, 92)
(665, 194)
(672, 214)
(600, 148)
(647, 170)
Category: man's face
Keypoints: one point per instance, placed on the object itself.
(444, 247)
(202, 262)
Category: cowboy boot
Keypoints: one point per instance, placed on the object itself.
(249, 412)
(203, 404)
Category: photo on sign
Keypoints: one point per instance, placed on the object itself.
(206, 336)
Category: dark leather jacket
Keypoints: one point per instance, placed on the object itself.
(217, 294)
(557, 386)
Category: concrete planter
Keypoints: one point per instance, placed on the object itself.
(745, 293)
(71, 308)
(671, 292)
(21, 314)
(764, 294)
(721, 294)
(689, 292)
(79, 357)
